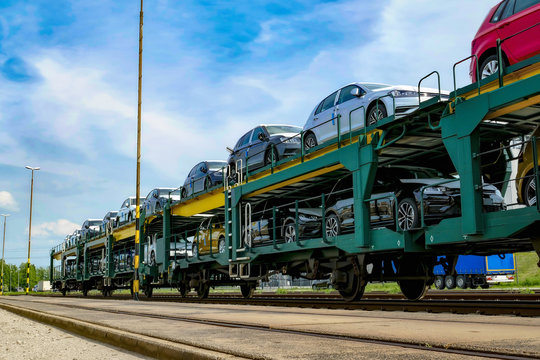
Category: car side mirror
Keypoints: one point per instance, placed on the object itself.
(203, 169)
(356, 92)
(86, 227)
(229, 150)
(262, 137)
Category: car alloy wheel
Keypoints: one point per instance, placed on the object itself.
(332, 225)
(530, 192)
(221, 246)
(310, 141)
(290, 233)
(407, 214)
(376, 113)
(207, 183)
(268, 157)
(489, 67)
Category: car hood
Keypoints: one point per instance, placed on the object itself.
(451, 185)
(288, 135)
(412, 88)
(308, 211)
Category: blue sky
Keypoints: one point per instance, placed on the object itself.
(211, 71)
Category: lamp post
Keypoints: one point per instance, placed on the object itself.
(3, 245)
(30, 227)
(138, 191)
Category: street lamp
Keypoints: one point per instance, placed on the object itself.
(30, 227)
(3, 245)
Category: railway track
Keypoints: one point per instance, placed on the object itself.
(239, 325)
(466, 302)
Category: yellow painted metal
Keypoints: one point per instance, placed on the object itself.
(514, 107)
(200, 204)
(297, 179)
(517, 75)
(125, 232)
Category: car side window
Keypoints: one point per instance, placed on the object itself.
(524, 4)
(319, 107)
(508, 10)
(246, 138)
(497, 15)
(256, 133)
(329, 102)
(345, 94)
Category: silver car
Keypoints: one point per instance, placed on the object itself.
(127, 210)
(156, 199)
(358, 101)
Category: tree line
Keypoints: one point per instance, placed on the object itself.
(15, 276)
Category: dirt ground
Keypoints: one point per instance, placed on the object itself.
(23, 339)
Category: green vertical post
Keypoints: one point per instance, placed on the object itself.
(167, 231)
(51, 270)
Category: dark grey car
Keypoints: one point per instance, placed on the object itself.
(203, 176)
(255, 147)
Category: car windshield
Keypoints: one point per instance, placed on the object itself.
(133, 201)
(373, 86)
(216, 165)
(94, 223)
(280, 129)
(417, 173)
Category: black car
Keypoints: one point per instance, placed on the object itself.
(405, 182)
(203, 176)
(262, 145)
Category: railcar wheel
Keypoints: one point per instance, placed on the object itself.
(183, 289)
(355, 287)
(413, 289)
(148, 290)
(247, 290)
(439, 282)
(64, 291)
(461, 282)
(85, 291)
(203, 290)
(450, 281)
(289, 232)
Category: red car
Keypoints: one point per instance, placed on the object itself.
(505, 19)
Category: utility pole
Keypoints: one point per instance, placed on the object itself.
(138, 191)
(30, 228)
(3, 246)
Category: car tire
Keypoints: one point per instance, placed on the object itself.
(207, 183)
(439, 282)
(130, 218)
(152, 258)
(310, 141)
(333, 226)
(268, 156)
(222, 247)
(376, 113)
(408, 216)
(450, 282)
(157, 207)
(489, 66)
(461, 282)
(289, 232)
(529, 191)
(183, 193)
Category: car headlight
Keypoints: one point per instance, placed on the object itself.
(436, 190)
(291, 140)
(498, 193)
(403, 93)
(306, 218)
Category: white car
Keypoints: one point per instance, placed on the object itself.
(358, 101)
(156, 199)
(127, 210)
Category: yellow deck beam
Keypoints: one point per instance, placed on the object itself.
(200, 204)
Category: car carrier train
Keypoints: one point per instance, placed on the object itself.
(386, 198)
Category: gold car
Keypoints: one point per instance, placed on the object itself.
(526, 185)
(210, 227)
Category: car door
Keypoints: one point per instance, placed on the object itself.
(256, 149)
(242, 149)
(199, 177)
(324, 123)
(517, 16)
(350, 109)
(191, 180)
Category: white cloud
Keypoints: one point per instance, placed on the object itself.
(60, 227)
(7, 201)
